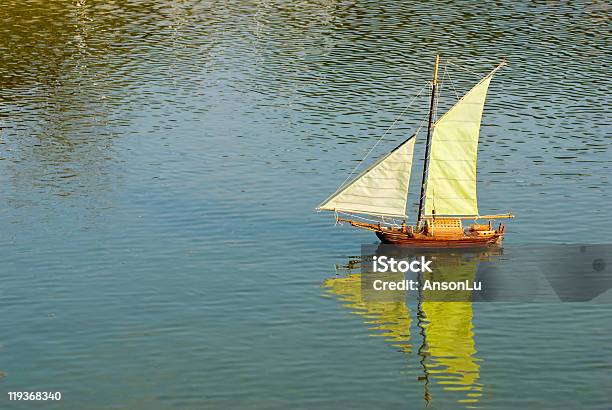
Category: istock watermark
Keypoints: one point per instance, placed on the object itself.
(386, 264)
(409, 284)
(530, 273)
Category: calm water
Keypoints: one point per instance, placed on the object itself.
(159, 163)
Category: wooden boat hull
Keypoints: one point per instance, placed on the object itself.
(424, 241)
(448, 234)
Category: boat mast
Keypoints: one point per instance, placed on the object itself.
(434, 85)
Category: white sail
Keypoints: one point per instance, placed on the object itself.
(382, 189)
(451, 177)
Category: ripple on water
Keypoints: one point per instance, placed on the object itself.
(154, 153)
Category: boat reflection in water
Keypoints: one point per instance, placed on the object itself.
(442, 332)
(390, 320)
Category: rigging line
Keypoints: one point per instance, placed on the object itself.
(393, 221)
(453, 85)
(379, 140)
(476, 60)
(463, 68)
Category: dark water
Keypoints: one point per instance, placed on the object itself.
(159, 163)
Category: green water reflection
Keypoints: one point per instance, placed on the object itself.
(439, 336)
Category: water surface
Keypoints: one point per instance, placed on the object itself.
(159, 163)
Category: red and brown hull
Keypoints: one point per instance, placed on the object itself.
(424, 241)
(458, 238)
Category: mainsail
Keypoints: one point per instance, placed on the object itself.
(451, 177)
(381, 189)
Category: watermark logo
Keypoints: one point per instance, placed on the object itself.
(534, 273)
(389, 264)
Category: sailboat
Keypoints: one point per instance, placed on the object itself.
(448, 185)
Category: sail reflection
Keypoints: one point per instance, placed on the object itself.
(442, 332)
(449, 354)
(390, 320)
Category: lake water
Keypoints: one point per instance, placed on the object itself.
(159, 166)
